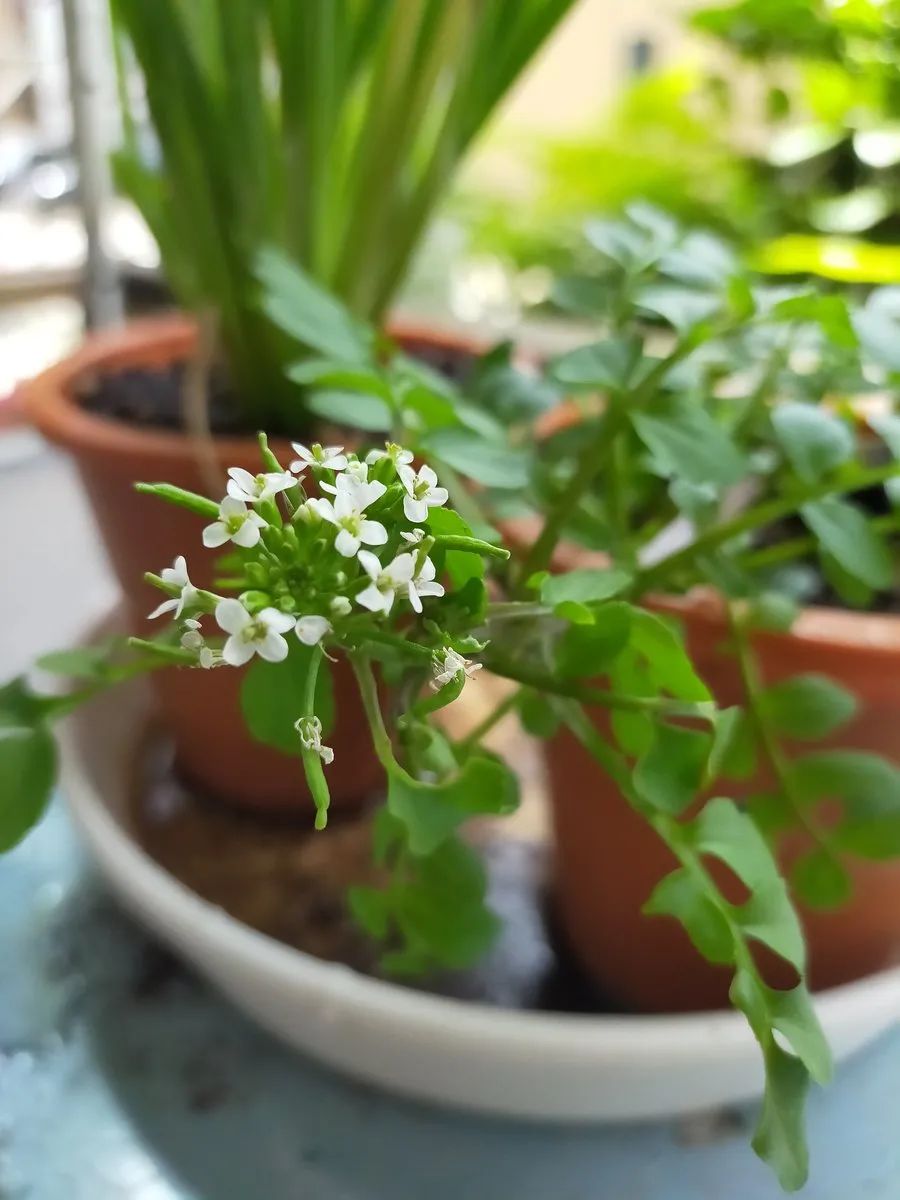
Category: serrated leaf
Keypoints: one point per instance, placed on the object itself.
(669, 774)
(869, 788)
(633, 731)
(273, 696)
(808, 707)
(430, 812)
(27, 774)
(678, 895)
(843, 532)
(607, 365)
(686, 443)
(815, 441)
(585, 585)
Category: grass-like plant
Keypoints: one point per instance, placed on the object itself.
(327, 129)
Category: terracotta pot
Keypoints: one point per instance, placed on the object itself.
(608, 860)
(201, 708)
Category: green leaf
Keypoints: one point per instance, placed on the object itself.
(440, 908)
(83, 662)
(273, 697)
(682, 307)
(27, 774)
(724, 832)
(371, 909)
(493, 463)
(201, 505)
(358, 410)
(843, 532)
(807, 706)
(830, 313)
(343, 377)
(301, 307)
(584, 585)
(820, 880)
(668, 662)
(537, 714)
(603, 365)
(686, 443)
(678, 895)
(585, 651)
(670, 774)
(869, 788)
(815, 441)
(733, 754)
(633, 731)
(780, 1137)
(19, 705)
(430, 812)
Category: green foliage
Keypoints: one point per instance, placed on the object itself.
(27, 761)
(327, 131)
(808, 707)
(273, 697)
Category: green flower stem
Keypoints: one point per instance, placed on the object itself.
(206, 601)
(661, 573)
(368, 691)
(592, 460)
(506, 705)
(787, 551)
(312, 763)
(660, 707)
(767, 735)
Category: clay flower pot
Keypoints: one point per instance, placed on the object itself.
(200, 708)
(608, 860)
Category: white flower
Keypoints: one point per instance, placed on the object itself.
(325, 458)
(341, 606)
(356, 472)
(398, 456)
(192, 639)
(310, 731)
(310, 630)
(307, 512)
(346, 512)
(253, 488)
(236, 523)
(259, 634)
(422, 492)
(177, 576)
(415, 537)
(447, 665)
(422, 584)
(386, 580)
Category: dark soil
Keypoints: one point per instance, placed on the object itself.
(288, 881)
(152, 397)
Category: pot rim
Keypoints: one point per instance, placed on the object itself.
(49, 405)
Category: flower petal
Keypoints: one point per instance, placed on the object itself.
(232, 508)
(310, 630)
(236, 651)
(215, 535)
(247, 535)
(427, 475)
(373, 599)
(232, 616)
(436, 497)
(414, 597)
(345, 543)
(373, 533)
(401, 570)
(415, 510)
(166, 606)
(275, 619)
(273, 647)
(429, 589)
(369, 563)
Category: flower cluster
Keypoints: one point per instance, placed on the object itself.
(313, 557)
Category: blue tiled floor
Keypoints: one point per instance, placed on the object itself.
(123, 1078)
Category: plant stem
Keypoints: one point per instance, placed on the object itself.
(755, 518)
(590, 695)
(312, 763)
(768, 738)
(368, 690)
(506, 705)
